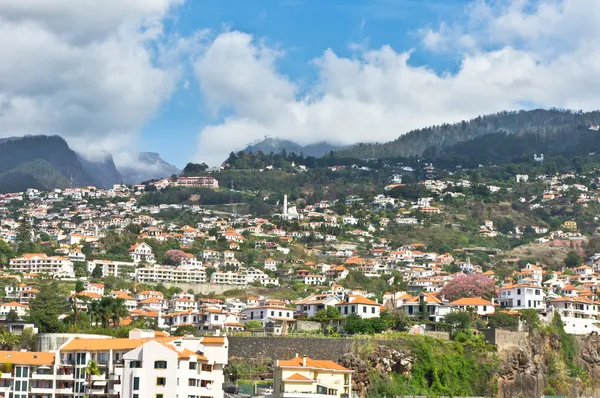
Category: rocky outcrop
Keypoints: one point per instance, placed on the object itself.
(383, 360)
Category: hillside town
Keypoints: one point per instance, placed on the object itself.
(138, 285)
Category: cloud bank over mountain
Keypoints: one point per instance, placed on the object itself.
(93, 72)
(513, 55)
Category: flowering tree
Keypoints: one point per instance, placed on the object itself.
(174, 257)
(469, 286)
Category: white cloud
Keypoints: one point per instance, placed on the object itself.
(91, 72)
(510, 56)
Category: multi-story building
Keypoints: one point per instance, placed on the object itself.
(142, 365)
(522, 296)
(112, 268)
(204, 182)
(578, 314)
(40, 263)
(359, 305)
(141, 252)
(161, 273)
(302, 377)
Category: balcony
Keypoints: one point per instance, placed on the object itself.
(7, 376)
(64, 376)
(40, 390)
(42, 376)
(64, 390)
(98, 378)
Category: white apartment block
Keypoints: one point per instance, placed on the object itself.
(181, 274)
(578, 314)
(138, 367)
(522, 296)
(112, 268)
(40, 263)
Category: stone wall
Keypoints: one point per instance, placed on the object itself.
(506, 339)
(288, 347)
(308, 326)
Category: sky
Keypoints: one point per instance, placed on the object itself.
(196, 79)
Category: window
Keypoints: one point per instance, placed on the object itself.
(364, 309)
(18, 372)
(136, 395)
(272, 313)
(159, 396)
(160, 364)
(518, 291)
(193, 365)
(135, 364)
(161, 381)
(192, 382)
(136, 383)
(372, 310)
(25, 371)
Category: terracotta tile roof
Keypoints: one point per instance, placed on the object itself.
(297, 377)
(313, 363)
(110, 344)
(471, 301)
(356, 299)
(27, 358)
(213, 340)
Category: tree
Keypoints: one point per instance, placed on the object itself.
(397, 320)
(327, 313)
(469, 286)
(573, 260)
(79, 286)
(12, 316)
(174, 257)
(97, 272)
(531, 319)
(91, 369)
(28, 339)
(253, 325)
(503, 320)
(46, 307)
(458, 319)
(8, 341)
(185, 330)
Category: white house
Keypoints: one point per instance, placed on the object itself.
(479, 305)
(522, 296)
(312, 304)
(141, 252)
(359, 305)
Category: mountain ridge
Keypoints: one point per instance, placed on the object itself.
(278, 145)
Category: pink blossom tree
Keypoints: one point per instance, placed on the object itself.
(174, 257)
(469, 286)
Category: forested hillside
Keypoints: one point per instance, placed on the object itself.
(553, 129)
(42, 162)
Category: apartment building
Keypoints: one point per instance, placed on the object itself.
(579, 314)
(522, 296)
(142, 365)
(161, 273)
(205, 182)
(302, 377)
(40, 263)
(112, 268)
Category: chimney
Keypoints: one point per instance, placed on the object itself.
(304, 360)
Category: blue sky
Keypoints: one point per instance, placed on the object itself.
(196, 79)
(303, 30)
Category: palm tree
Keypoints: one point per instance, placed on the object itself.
(9, 341)
(94, 311)
(91, 370)
(119, 310)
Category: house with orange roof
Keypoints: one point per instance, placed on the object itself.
(302, 377)
(20, 309)
(434, 307)
(522, 296)
(477, 304)
(141, 252)
(309, 306)
(359, 305)
(578, 314)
